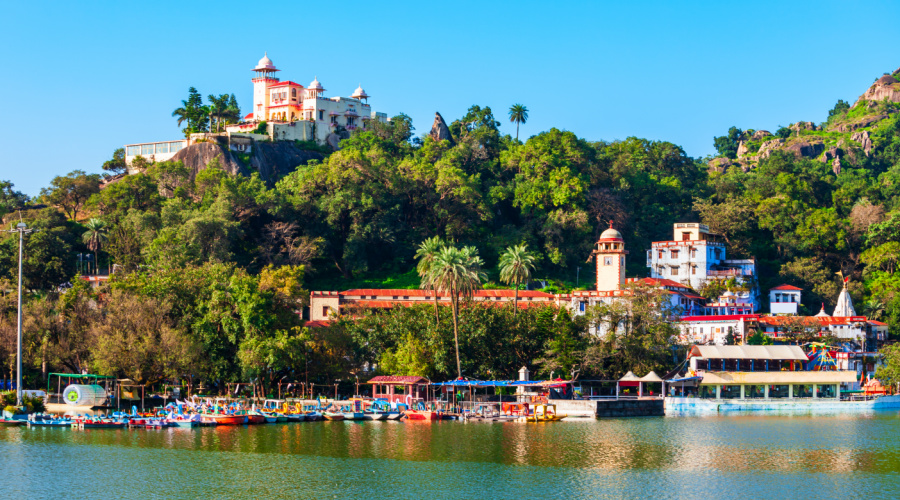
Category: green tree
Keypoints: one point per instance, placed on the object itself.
(840, 108)
(516, 265)
(117, 164)
(457, 273)
(10, 200)
(95, 237)
(518, 114)
(72, 191)
(727, 144)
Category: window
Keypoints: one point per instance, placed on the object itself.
(294, 93)
(325, 311)
(660, 254)
(693, 253)
(147, 149)
(133, 150)
(803, 391)
(730, 392)
(754, 391)
(607, 261)
(162, 148)
(321, 115)
(674, 271)
(334, 119)
(623, 261)
(778, 391)
(581, 306)
(693, 269)
(674, 254)
(685, 236)
(825, 391)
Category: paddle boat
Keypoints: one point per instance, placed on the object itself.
(542, 413)
(42, 420)
(185, 421)
(333, 415)
(11, 422)
(94, 422)
(223, 418)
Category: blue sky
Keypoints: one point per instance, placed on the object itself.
(83, 78)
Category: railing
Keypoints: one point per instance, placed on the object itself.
(729, 272)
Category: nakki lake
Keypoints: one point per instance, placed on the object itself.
(758, 456)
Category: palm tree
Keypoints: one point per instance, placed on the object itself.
(518, 113)
(95, 237)
(456, 272)
(183, 114)
(873, 309)
(426, 254)
(516, 265)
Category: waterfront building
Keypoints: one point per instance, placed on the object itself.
(695, 256)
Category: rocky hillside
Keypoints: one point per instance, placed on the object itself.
(847, 135)
(273, 160)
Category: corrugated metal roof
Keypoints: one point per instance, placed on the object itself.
(398, 379)
(777, 352)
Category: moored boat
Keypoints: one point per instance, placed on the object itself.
(224, 419)
(335, 416)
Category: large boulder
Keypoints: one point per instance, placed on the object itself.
(836, 166)
(796, 127)
(742, 149)
(864, 140)
(197, 156)
(720, 164)
(806, 149)
(439, 130)
(334, 141)
(273, 160)
(760, 134)
(766, 148)
(832, 153)
(886, 87)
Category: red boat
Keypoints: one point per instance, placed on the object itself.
(223, 419)
(256, 419)
(423, 415)
(97, 423)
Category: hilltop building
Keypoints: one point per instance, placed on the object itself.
(291, 111)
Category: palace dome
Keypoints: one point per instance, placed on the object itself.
(611, 234)
(265, 63)
(359, 93)
(315, 85)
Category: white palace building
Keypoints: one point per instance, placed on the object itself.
(292, 112)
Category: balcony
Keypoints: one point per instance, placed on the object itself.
(729, 272)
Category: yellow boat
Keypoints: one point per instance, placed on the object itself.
(543, 413)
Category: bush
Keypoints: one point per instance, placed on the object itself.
(33, 404)
(12, 409)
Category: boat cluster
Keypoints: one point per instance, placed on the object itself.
(209, 413)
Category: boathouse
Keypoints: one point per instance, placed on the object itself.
(756, 372)
(400, 388)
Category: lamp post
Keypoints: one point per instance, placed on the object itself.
(22, 229)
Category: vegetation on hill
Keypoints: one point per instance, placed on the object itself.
(215, 265)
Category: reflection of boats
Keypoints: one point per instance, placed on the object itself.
(375, 415)
(543, 413)
(11, 422)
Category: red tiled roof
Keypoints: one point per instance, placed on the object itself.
(787, 287)
(286, 84)
(398, 379)
(400, 292)
(822, 320)
(659, 282)
(729, 317)
(317, 323)
(249, 116)
(876, 323)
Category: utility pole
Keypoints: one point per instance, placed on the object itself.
(22, 229)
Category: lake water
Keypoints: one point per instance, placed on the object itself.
(673, 457)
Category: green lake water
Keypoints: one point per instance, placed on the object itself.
(673, 457)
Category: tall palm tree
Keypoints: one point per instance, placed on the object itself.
(426, 254)
(516, 265)
(518, 113)
(183, 114)
(95, 237)
(457, 272)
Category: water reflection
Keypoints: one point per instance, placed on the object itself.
(657, 456)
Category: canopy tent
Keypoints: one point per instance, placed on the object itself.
(629, 377)
(651, 377)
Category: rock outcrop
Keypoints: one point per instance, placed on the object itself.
(742, 150)
(796, 127)
(197, 156)
(760, 134)
(886, 87)
(273, 160)
(806, 149)
(720, 164)
(439, 130)
(861, 123)
(766, 148)
(832, 153)
(864, 141)
(836, 166)
(334, 141)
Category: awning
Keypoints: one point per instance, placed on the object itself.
(774, 352)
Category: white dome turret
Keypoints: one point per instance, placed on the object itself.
(359, 93)
(316, 86)
(265, 64)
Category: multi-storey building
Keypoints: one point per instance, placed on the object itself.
(695, 256)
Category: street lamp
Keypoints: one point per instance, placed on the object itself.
(22, 229)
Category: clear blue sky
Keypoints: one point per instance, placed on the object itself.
(83, 78)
